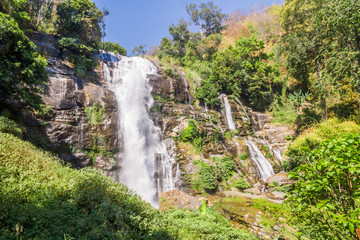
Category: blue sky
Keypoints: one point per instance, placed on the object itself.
(135, 22)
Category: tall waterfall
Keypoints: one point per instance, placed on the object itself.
(228, 114)
(262, 164)
(146, 166)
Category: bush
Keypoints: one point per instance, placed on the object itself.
(47, 200)
(327, 190)
(192, 134)
(194, 225)
(95, 114)
(241, 184)
(243, 156)
(313, 137)
(22, 69)
(9, 126)
(113, 47)
(207, 178)
(224, 168)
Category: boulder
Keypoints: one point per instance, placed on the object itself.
(179, 199)
(280, 178)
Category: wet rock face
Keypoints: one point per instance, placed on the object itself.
(68, 129)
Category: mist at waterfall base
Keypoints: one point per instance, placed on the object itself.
(146, 166)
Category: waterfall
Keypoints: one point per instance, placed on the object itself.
(228, 114)
(188, 100)
(262, 164)
(146, 165)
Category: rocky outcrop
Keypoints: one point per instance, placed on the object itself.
(67, 129)
(178, 199)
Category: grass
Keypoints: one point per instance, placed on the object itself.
(285, 114)
(271, 215)
(325, 130)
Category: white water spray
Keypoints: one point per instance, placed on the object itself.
(146, 165)
(262, 164)
(228, 114)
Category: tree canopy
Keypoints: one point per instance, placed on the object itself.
(22, 69)
(207, 16)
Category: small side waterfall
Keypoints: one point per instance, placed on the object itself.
(262, 164)
(146, 166)
(228, 114)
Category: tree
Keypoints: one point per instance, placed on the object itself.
(22, 69)
(243, 71)
(166, 48)
(79, 25)
(325, 199)
(140, 50)
(79, 19)
(180, 36)
(208, 16)
(113, 47)
(104, 12)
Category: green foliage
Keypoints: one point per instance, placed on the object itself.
(203, 208)
(224, 168)
(22, 69)
(284, 188)
(180, 36)
(194, 225)
(313, 137)
(47, 200)
(321, 46)
(27, 13)
(79, 19)
(192, 134)
(95, 114)
(113, 47)
(230, 134)
(243, 156)
(42, 199)
(206, 177)
(208, 92)
(242, 71)
(80, 54)
(78, 23)
(139, 51)
(208, 16)
(44, 111)
(325, 199)
(241, 184)
(9, 126)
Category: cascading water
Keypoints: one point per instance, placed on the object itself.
(146, 166)
(228, 114)
(262, 164)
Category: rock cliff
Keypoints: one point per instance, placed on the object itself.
(81, 126)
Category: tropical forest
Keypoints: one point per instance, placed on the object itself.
(242, 122)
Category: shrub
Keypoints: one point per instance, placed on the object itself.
(192, 134)
(95, 113)
(327, 190)
(22, 69)
(113, 47)
(212, 226)
(224, 168)
(47, 200)
(243, 156)
(240, 184)
(207, 178)
(313, 137)
(9, 126)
